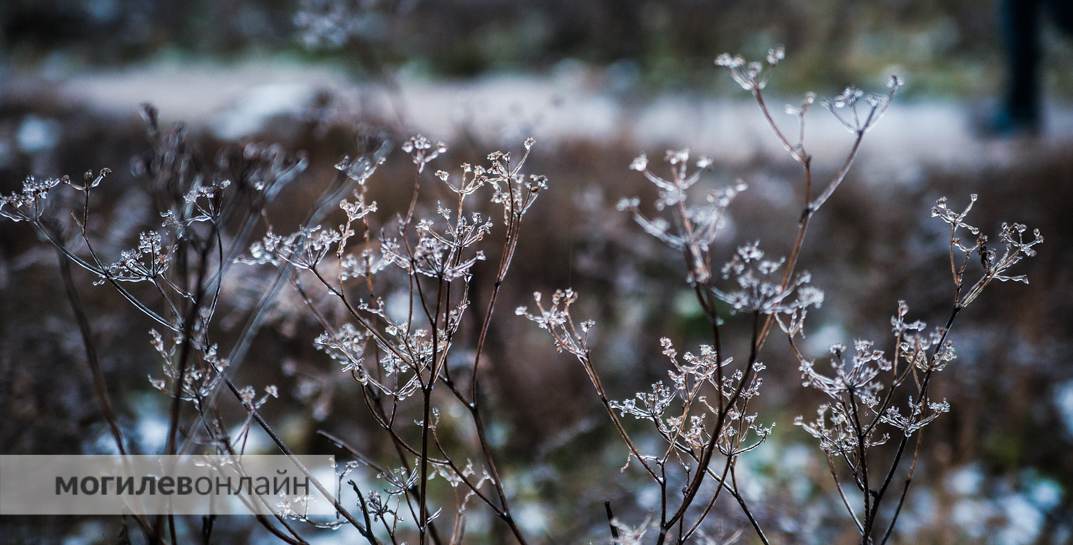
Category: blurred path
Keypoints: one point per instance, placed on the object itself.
(238, 100)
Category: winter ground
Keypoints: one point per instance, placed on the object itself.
(569, 104)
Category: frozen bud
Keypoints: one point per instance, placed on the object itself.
(537, 182)
(727, 60)
(677, 157)
(247, 394)
(639, 163)
(846, 98)
(422, 150)
(529, 143)
(157, 383)
(806, 102)
(775, 55)
(668, 347)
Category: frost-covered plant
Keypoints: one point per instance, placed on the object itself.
(701, 413)
(873, 395)
(401, 356)
(174, 272)
(391, 292)
(691, 228)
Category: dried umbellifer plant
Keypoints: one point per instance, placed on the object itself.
(700, 415)
(392, 294)
(401, 355)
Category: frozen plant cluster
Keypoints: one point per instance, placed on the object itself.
(347, 262)
(702, 416)
(392, 292)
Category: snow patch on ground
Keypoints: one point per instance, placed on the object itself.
(236, 100)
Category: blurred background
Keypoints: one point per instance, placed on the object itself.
(595, 83)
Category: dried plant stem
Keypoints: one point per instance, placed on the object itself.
(100, 386)
(709, 450)
(365, 531)
(800, 155)
(601, 393)
(922, 403)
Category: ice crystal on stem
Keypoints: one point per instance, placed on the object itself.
(199, 379)
(760, 287)
(682, 411)
(145, 263)
(29, 203)
(359, 169)
(355, 211)
(918, 418)
(555, 318)
(995, 262)
(423, 151)
(859, 111)
(441, 253)
(691, 228)
(304, 248)
(751, 75)
(855, 375)
(514, 191)
(206, 199)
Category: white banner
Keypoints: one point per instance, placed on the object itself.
(160, 485)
